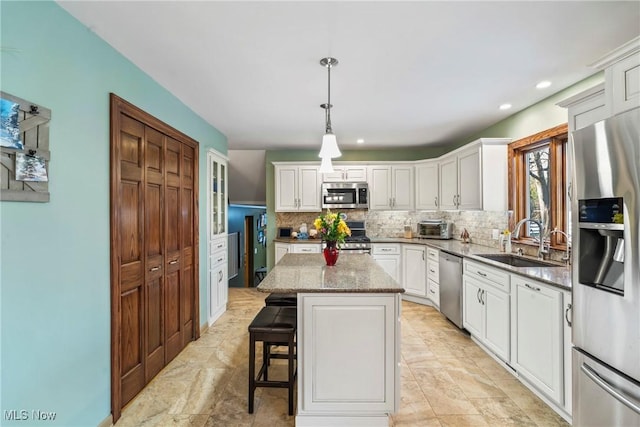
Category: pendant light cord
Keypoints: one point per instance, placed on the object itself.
(328, 110)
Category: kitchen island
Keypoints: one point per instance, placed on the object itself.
(348, 342)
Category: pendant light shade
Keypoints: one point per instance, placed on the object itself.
(326, 166)
(329, 148)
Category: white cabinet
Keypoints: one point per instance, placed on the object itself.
(388, 255)
(568, 360)
(427, 185)
(475, 176)
(414, 278)
(391, 187)
(622, 77)
(346, 173)
(217, 208)
(281, 250)
(433, 276)
(537, 349)
(349, 355)
(486, 306)
(305, 248)
(297, 188)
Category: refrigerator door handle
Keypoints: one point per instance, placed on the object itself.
(617, 394)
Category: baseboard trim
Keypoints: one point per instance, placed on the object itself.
(107, 422)
(204, 327)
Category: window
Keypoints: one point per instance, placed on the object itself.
(538, 184)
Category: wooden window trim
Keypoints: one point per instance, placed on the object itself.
(556, 138)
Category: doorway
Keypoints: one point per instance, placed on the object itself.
(247, 257)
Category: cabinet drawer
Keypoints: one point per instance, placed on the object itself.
(302, 248)
(491, 275)
(433, 292)
(386, 249)
(218, 245)
(433, 254)
(433, 271)
(216, 258)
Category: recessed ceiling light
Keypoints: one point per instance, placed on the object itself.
(505, 106)
(543, 84)
(360, 141)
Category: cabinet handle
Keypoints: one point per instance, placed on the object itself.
(423, 255)
(220, 276)
(482, 297)
(173, 262)
(436, 201)
(154, 269)
(481, 273)
(566, 314)
(220, 259)
(454, 200)
(432, 270)
(385, 250)
(570, 191)
(478, 295)
(220, 245)
(533, 288)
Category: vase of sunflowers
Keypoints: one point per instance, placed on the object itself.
(332, 229)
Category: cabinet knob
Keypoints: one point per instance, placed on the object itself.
(154, 268)
(173, 262)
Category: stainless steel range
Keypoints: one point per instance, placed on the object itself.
(358, 242)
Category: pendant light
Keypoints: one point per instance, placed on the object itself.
(329, 148)
(326, 166)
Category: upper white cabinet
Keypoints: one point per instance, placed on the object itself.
(427, 185)
(391, 187)
(217, 196)
(346, 173)
(475, 176)
(297, 188)
(622, 77)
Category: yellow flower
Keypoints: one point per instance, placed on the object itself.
(331, 227)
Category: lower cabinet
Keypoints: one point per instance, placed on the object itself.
(433, 276)
(486, 308)
(414, 277)
(218, 273)
(306, 248)
(281, 250)
(537, 337)
(387, 255)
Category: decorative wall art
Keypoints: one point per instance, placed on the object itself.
(24, 150)
(9, 128)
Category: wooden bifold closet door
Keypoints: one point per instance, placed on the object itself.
(154, 249)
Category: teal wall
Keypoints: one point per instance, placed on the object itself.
(55, 301)
(236, 224)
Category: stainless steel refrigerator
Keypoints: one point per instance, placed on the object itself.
(606, 272)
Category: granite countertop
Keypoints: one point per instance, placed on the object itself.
(355, 273)
(559, 276)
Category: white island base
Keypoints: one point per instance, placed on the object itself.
(348, 358)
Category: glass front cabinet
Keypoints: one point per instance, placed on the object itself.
(217, 218)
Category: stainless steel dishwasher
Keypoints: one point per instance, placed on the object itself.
(451, 287)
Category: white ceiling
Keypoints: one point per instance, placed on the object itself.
(410, 73)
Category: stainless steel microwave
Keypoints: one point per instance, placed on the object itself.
(435, 229)
(345, 195)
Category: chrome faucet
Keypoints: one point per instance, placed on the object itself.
(516, 233)
(567, 255)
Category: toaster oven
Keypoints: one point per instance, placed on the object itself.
(435, 229)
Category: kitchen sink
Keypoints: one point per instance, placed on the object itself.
(518, 261)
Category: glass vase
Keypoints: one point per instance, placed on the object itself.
(331, 253)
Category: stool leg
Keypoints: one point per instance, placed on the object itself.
(252, 371)
(291, 375)
(266, 359)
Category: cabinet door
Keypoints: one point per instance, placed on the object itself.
(286, 188)
(217, 292)
(448, 169)
(427, 186)
(625, 84)
(496, 329)
(309, 189)
(402, 187)
(390, 264)
(380, 183)
(355, 173)
(281, 250)
(433, 292)
(414, 277)
(538, 333)
(473, 311)
(336, 176)
(469, 180)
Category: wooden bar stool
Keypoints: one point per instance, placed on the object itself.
(273, 325)
(281, 300)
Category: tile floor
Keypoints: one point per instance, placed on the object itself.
(447, 380)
